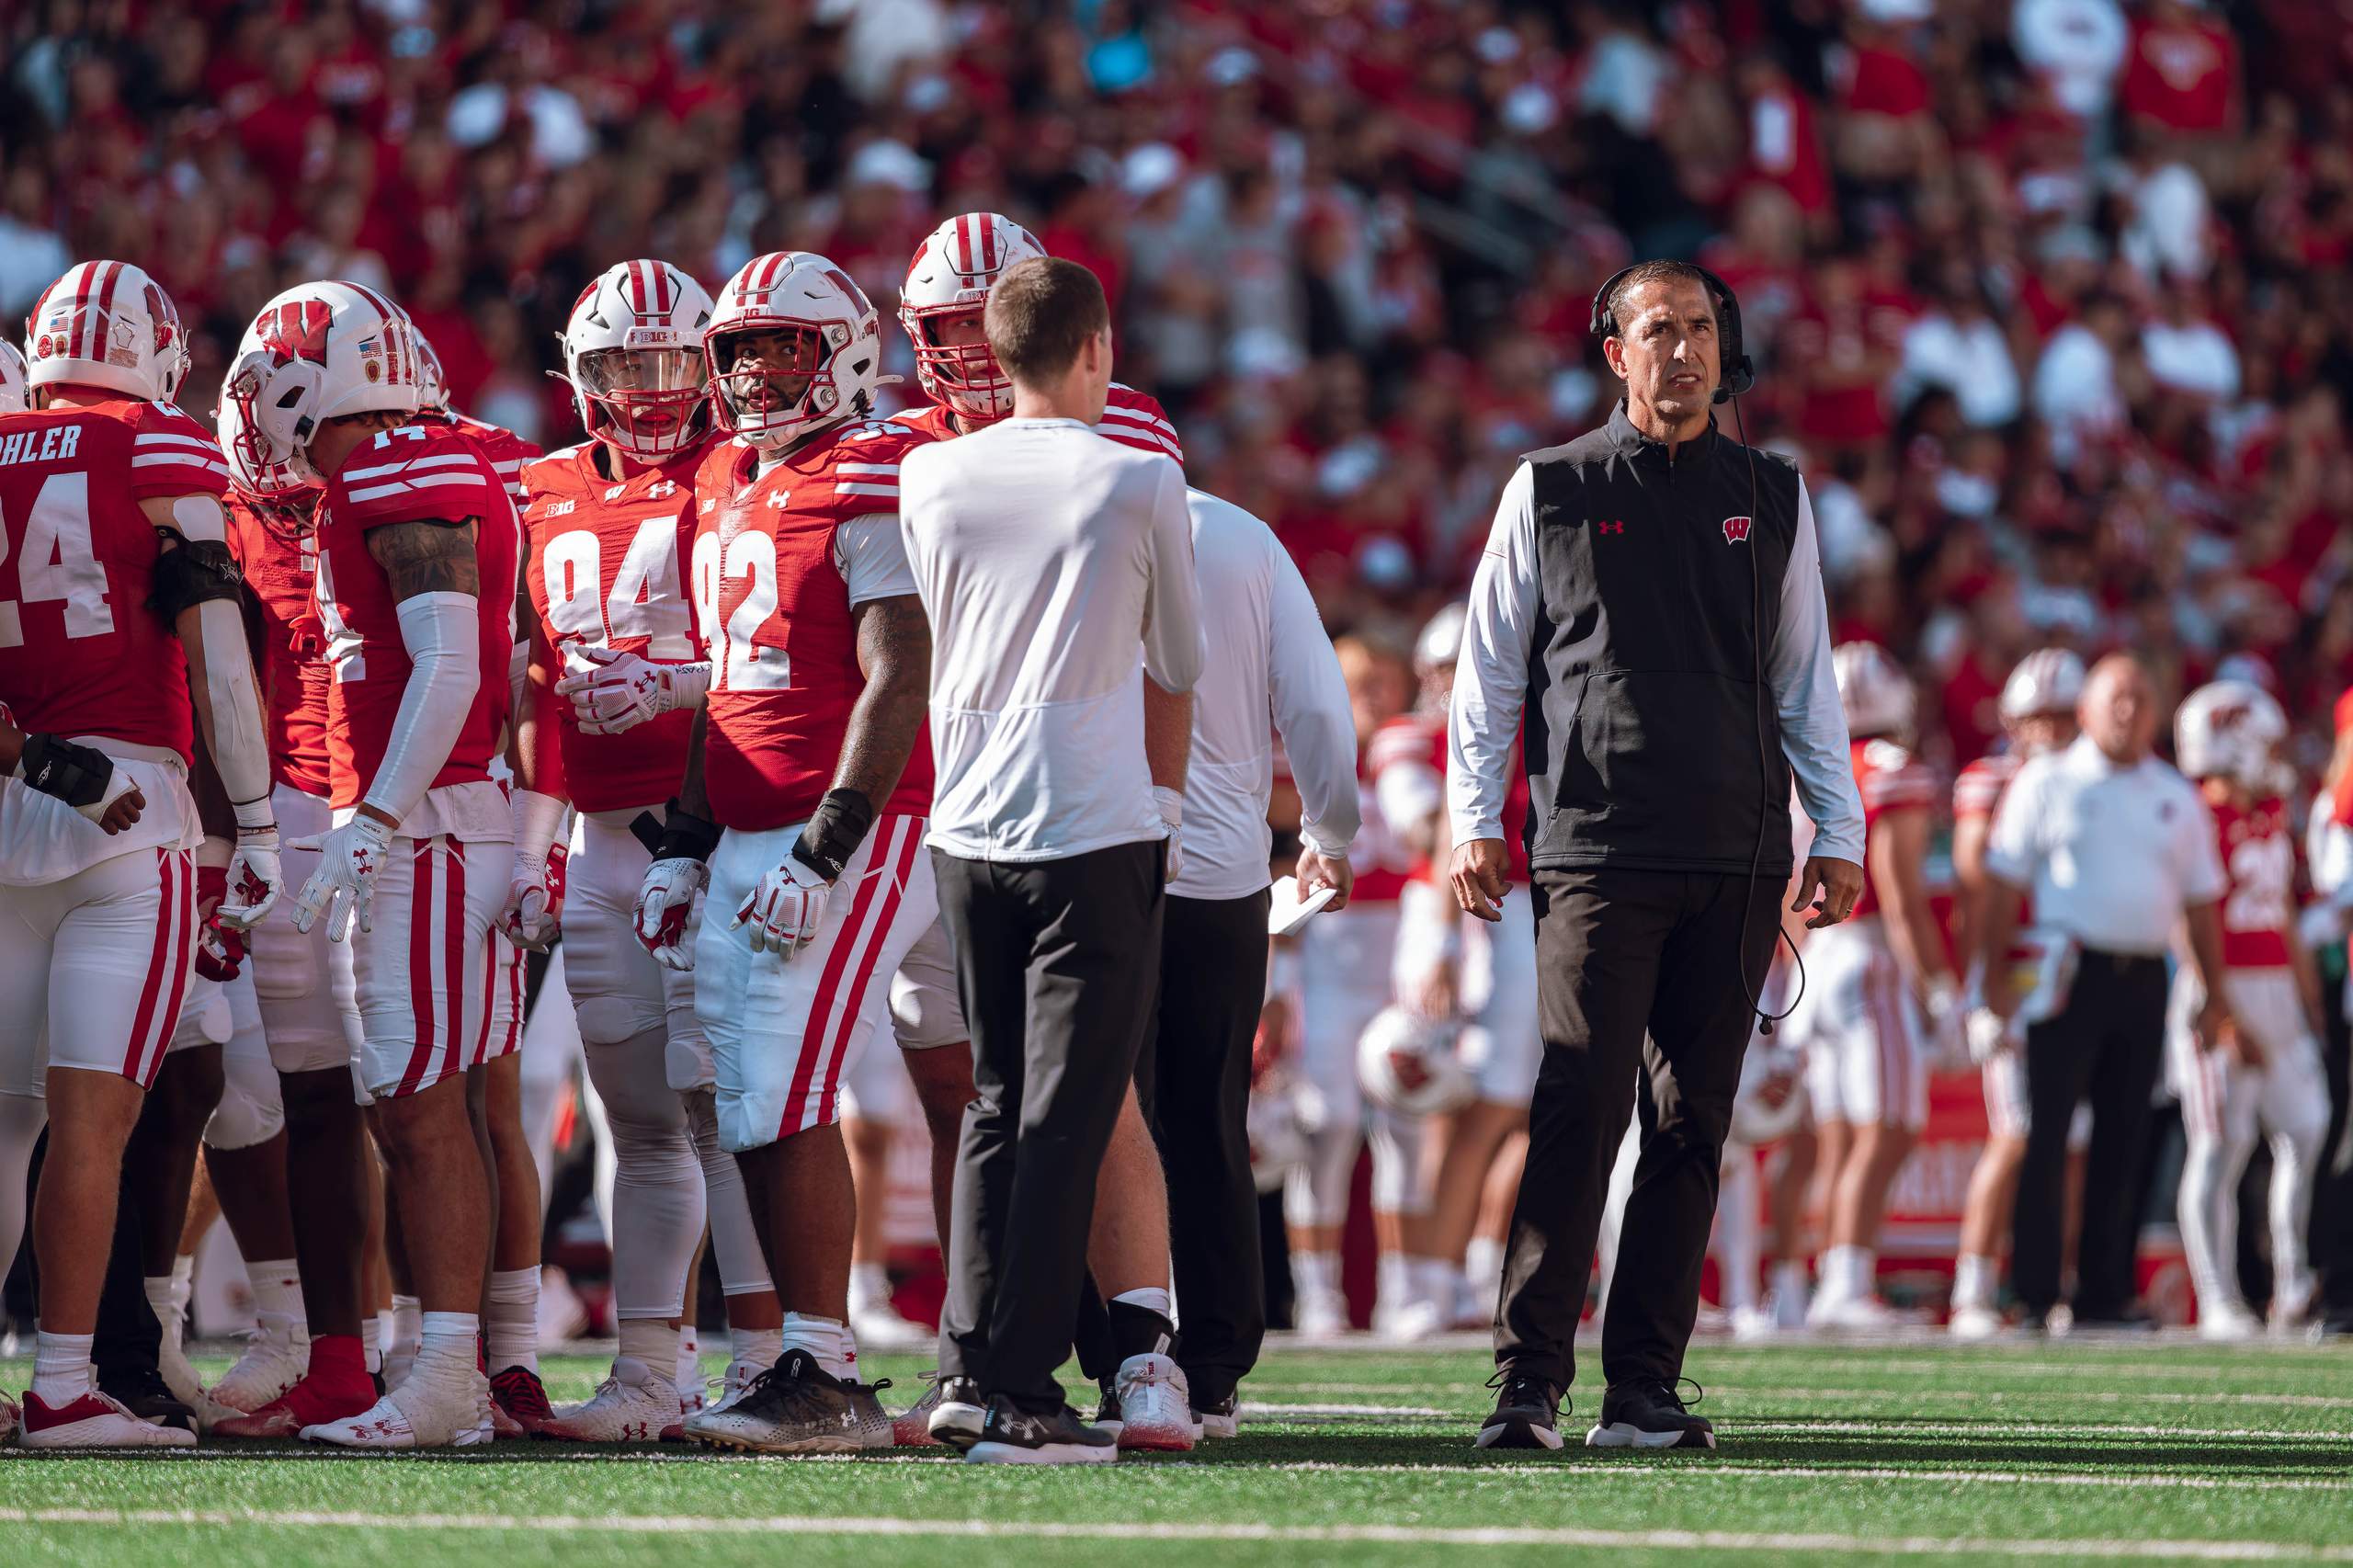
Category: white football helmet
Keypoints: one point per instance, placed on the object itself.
(107, 324)
(2048, 680)
(317, 352)
(634, 348)
(1277, 1132)
(2231, 729)
(1872, 689)
(951, 277)
(284, 502)
(432, 381)
(1406, 1063)
(836, 353)
(1440, 643)
(12, 379)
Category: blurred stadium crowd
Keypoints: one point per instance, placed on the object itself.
(2050, 295)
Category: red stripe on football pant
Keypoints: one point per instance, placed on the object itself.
(420, 966)
(136, 1046)
(453, 953)
(183, 960)
(901, 865)
(813, 1029)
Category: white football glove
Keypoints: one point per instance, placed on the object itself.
(665, 904)
(617, 691)
(1171, 813)
(1988, 1033)
(534, 906)
(256, 879)
(344, 887)
(1946, 1015)
(785, 908)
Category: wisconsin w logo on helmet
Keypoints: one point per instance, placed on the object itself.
(295, 330)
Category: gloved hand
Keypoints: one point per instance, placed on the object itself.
(533, 912)
(786, 908)
(344, 887)
(83, 778)
(665, 902)
(219, 949)
(1171, 813)
(254, 879)
(615, 692)
(1945, 1013)
(1988, 1034)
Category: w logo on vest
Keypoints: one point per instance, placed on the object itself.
(1735, 530)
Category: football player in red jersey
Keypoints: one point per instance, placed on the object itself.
(118, 600)
(2267, 1077)
(1868, 981)
(810, 777)
(414, 523)
(608, 529)
(2038, 711)
(939, 307)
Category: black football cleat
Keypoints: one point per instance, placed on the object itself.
(1527, 1414)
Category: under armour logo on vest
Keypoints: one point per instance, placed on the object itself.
(1613, 527)
(1736, 530)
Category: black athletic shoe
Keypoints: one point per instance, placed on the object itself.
(143, 1393)
(1106, 1409)
(1015, 1437)
(1527, 1414)
(1649, 1415)
(1217, 1418)
(959, 1414)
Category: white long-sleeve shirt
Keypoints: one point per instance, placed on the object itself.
(1491, 681)
(1270, 670)
(1056, 567)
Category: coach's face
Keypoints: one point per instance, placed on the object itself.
(2118, 710)
(1665, 350)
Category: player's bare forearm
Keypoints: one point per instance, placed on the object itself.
(894, 655)
(2204, 922)
(1898, 863)
(427, 558)
(1997, 927)
(1168, 735)
(693, 798)
(536, 764)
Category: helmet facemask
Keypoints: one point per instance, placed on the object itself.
(955, 363)
(773, 380)
(649, 404)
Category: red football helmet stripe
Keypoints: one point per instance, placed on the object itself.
(661, 271)
(988, 242)
(90, 271)
(964, 245)
(637, 289)
(105, 308)
(393, 321)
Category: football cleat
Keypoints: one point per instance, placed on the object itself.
(414, 1416)
(1649, 1415)
(880, 1326)
(9, 1417)
(958, 1412)
(172, 1365)
(2229, 1321)
(1527, 1414)
(1219, 1419)
(1852, 1313)
(911, 1428)
(1321, 1315)
(1015, 1437)
(144, 1395)
(519, 1402)
(308, 1403)
(634, 1404)
(276, 1355)
(94, 1421)
(796, 1408)
(1108, 1416)
(1156, 1406)
(1974, 1323)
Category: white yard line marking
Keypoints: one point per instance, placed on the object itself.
(1705, 1469)
(1720, 1540)
(2074, 1396)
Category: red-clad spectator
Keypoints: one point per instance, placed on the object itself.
(2182, 70)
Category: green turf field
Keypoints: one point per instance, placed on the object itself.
(2158, 1449)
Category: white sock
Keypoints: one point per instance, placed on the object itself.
(1315, 1274)
(387, 1332)
(759, 1346)
(1433, 1281)
(1394, 1279)
(514, 1327)
(278, 1288)
(445, 1356)
(651, 1341)
(159, 1297)
(1484, 1258)
(1972, 1280)
(183, 1280)
(690, 1356)
(61, 1367)
(1788, 1278)
(827, 1339)
(408, 1326)
(869, 1287)
(1152, 1299)
(1849, 1272)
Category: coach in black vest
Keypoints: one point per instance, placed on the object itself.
(1651, 603)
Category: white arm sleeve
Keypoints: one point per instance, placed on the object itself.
(445, 671)
(1805, 695)
(1491, 680)
(1309, 700)
(1172, 654)
(240, 750)
(2013, 845)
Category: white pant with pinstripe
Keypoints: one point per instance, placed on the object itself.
(439, 990)
(1862, 1030)
(95, 968)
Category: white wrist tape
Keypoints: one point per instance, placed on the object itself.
(445, 673)
(689, 684)
(539, 819)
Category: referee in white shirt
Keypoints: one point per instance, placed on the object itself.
(1057, 570)
(1271, 671)
(2117, 849)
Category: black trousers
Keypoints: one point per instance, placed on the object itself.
(1193, 1081)
(1639, 996)
(2105, 1046)
(1046, 965)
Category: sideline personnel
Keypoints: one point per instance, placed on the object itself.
(1640, 585)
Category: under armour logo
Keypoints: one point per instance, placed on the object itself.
(708, 505)
(1613, 527)
(662, 489)
(781, 499)
(1736, 530)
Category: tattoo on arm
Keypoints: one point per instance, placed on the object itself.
(427, 558)
(894, 655)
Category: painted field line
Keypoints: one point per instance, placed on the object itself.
(2075, 1397)
(1698, 1469)
(1406, 1535)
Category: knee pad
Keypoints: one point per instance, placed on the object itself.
(250, 1111)
(614, 1021)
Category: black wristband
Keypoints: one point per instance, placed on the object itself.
(76, 774)
(685, 837)
(834, 835)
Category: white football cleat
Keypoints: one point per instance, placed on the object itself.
(1156, 1405)
(94, 1421)
(276, 1355)
(1320, 1315)
(1409, 1322)
(1974, 1323)
(2291, 1305)
(9, 1417)
(911, 1428)
(635, 1405)
(1754, 1323)
(2228, 1321)
(1850, 1311)
(879, 1326)
(414, 1416)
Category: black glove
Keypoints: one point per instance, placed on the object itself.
(82, 776)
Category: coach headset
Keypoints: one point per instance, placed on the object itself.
(1738, 374)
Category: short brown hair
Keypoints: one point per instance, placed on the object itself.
(1040, 314)
(1662, 270)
